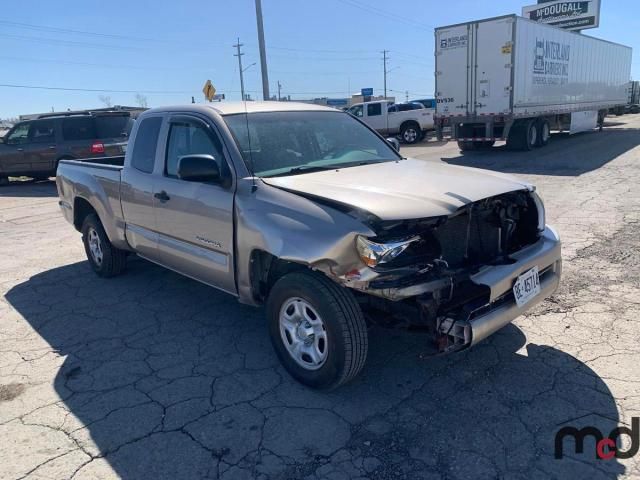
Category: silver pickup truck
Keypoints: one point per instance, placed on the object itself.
(308, 211)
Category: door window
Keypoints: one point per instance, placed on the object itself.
(42, 131)
(374, 109)
(192, 139)
(19, 135)
(145, 144)
(356, 111)
(113, 126)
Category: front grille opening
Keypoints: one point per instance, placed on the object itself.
(486, 232)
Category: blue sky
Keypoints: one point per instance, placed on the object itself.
(166, 50)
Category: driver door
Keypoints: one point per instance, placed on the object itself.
(12, 157)
(194, 219)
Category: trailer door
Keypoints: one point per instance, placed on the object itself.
(453, 70)
(493, 49)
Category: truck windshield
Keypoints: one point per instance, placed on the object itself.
(287, 143)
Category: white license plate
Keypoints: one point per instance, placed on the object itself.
(527, 286)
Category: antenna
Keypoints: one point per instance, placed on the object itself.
(254, 185)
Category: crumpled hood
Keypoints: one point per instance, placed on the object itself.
(402, 190)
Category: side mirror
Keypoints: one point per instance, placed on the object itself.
(394, 143)
(198, 168)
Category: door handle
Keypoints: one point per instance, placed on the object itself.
(20, 149)
(162, 196)
(52, 147)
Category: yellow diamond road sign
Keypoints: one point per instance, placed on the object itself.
(209, 90)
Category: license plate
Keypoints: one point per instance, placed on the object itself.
(527, 286)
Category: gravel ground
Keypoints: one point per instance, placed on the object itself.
(152, 375)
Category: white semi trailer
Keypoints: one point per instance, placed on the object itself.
(508, 78)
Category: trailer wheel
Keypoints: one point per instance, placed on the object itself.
(466, 146)
(523, 136)
(544, 132)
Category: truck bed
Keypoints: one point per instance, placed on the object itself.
(95, 181)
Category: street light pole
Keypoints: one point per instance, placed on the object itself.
(384, 66)
(263, 55)
(239, 55)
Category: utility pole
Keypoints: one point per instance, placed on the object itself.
(263, 55)
(406, 95)
(384, 66)
(279, 87)
(239, 55)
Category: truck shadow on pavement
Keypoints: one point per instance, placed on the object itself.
(166, 378)
(565, 155)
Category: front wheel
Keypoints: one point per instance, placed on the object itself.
(317, 329)
(105, 259)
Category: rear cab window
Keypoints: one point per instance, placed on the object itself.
(145, 144)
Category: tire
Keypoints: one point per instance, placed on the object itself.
(410, 133)
(307, 312)
(483, 144)
(544, 133)
(523, 136)
(105, 259)
(466, 146)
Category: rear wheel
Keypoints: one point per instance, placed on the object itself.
(105, 259)
(523, 136)
(544, 133)
(410, 133)
(317, 329)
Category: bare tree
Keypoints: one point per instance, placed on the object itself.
(106, 100)
(141, 100)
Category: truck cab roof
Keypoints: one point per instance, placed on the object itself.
(231, 108)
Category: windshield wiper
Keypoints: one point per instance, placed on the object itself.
(302, 169)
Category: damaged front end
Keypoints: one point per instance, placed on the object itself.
(453, 275)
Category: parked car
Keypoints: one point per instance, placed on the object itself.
(410, 121)
(405, 107)
(33, 148)
(306, 210)
(427, 102)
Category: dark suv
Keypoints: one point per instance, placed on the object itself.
(33, 148)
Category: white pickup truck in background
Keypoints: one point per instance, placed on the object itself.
(408, 120)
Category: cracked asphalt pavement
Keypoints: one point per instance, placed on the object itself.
(153, 375)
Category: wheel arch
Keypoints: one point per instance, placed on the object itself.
(266, 270)
(82, 208)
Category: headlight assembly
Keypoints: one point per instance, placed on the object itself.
(372, 253)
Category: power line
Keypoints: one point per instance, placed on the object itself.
(366, 8)
(99, 65)
(101, 90)
(68, 43)
(45, 28)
